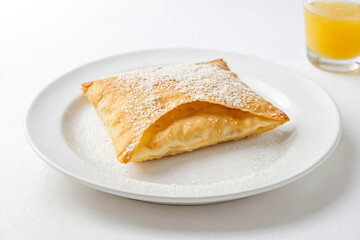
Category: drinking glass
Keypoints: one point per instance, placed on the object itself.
(333, 34)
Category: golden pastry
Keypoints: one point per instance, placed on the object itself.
(155, 112)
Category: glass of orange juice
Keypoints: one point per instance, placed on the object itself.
(333, 34)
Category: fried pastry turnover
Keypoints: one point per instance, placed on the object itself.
(155, 112)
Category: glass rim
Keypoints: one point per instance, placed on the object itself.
(307, 5)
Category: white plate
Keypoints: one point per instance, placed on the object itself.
(64, 130)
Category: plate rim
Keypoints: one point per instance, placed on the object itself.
(158, 198)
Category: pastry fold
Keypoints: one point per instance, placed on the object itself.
(155, 112)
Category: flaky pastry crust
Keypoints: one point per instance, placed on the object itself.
(156, 112)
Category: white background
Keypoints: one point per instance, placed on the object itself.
(41, 40)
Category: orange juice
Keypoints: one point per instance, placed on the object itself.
(333, 29)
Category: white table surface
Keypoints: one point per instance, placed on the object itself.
(41, 40)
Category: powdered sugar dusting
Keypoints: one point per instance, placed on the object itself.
(200, 82)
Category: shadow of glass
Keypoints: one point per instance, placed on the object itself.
(291, 203)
